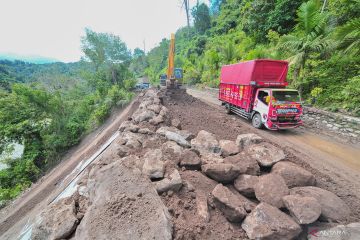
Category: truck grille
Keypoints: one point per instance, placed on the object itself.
(287, 120)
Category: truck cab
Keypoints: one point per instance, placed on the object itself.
(276, 108)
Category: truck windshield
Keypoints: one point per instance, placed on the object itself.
(285, 96)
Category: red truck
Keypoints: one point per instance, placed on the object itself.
(256, 90)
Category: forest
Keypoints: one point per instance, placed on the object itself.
(320, 39)
(49, 107)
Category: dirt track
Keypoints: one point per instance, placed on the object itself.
(16, 215)
(333, 174)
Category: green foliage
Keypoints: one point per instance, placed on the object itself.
(321, 44)
(102, 48)
(201, 17)
(309, 38)
(50, 109)
(316, 92)
(349, 37)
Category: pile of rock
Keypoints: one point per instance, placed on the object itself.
(268, 187)
(256, 187)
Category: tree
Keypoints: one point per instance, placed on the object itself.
(186, 5)
(104, 49)
(281, 18)
(215, 6)
(308, 38)
(138, 53)
(201, 15)
(255, 20)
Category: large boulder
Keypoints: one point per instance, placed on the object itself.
(128, 126)
(333, 209)
(245, 184)
(171, 147)
(125, 206)
(58, 221)
(244, 140)
(143, 115)
(229, 204)
(211, 158)
(157, 120)
(205, 142)
(132, 140)
(190, 160)
(153, 166)
(246, 164)
(176, 123)
(248, 204)
(294, 175)
(173, 182)
(268, 222)
(173, 136)
(228, 148)
(184, 133)
(221, 172)
(304, 210)
(266, 154)
(270, 188)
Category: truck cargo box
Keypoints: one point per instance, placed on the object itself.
(261, 72)
(238, 82)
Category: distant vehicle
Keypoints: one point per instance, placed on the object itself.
(163, 78)
(142, 85)
(256, 90)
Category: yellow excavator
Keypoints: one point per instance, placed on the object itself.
(174, 76)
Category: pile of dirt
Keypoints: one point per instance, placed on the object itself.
(179, 170)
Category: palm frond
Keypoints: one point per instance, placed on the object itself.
(349, 37)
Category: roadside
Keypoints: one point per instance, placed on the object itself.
(42, 193)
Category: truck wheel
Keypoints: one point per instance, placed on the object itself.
(227, 108)
(256, 121)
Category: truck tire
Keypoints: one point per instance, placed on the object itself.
(256, 121)
(228, 109)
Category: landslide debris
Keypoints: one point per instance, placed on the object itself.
(161, 180)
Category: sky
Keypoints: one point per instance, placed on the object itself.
(53, 28)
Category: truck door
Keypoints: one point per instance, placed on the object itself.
(261, 104)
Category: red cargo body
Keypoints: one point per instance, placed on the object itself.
(238, 82)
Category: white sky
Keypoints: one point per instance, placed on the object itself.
(52, 28)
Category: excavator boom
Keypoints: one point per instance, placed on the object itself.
(171, 56)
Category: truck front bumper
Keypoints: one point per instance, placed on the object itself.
(283, 125)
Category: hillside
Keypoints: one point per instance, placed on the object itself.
(27, 58)
(319, 39)
(48, 108)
